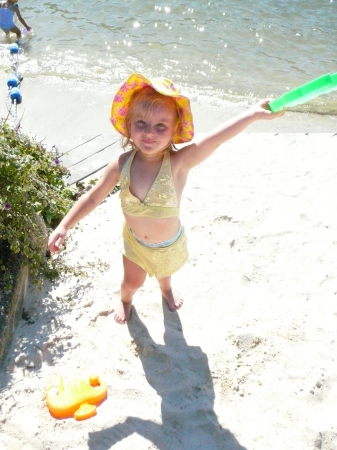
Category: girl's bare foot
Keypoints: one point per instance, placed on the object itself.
(122, 312)
(173, 300)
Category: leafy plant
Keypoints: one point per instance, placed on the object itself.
(32, 192)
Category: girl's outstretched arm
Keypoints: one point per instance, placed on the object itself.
(197, 152)
(85, 205)
(21, 19)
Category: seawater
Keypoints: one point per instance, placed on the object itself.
(216, 51)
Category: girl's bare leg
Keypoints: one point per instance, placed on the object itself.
(134, 277)
(17, 31)
(173, 300)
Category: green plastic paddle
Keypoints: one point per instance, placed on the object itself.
(306, 92)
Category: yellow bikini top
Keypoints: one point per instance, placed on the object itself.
(161, 200)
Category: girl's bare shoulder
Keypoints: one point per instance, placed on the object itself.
(179, 156)
(116, 164)
(122, 158)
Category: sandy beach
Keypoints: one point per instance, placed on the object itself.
(248, 362)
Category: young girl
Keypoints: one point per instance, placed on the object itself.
(7, 11)
(152, 116)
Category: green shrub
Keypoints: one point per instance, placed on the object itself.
(31, 187)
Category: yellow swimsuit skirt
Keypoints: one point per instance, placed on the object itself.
(159, 261)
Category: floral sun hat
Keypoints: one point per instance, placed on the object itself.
(134, 83)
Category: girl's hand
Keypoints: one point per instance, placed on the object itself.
(56, 239)
(262, 111)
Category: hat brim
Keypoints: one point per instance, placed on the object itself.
(164, 86)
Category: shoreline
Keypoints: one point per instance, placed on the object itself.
(54, 110)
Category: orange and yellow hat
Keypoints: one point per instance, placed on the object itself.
(134, 83)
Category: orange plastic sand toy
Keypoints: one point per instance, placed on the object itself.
(78, 399)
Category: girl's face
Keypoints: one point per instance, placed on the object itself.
(152, 131)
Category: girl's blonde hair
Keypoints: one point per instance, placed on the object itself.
(148, 99)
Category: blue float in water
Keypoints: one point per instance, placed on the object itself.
(15, 95)
(13, 81)
(14, 48)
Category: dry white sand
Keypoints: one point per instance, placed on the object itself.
(247, 363)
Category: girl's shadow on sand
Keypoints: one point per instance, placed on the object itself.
(181, 376)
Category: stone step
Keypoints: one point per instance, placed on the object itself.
(86, 155)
